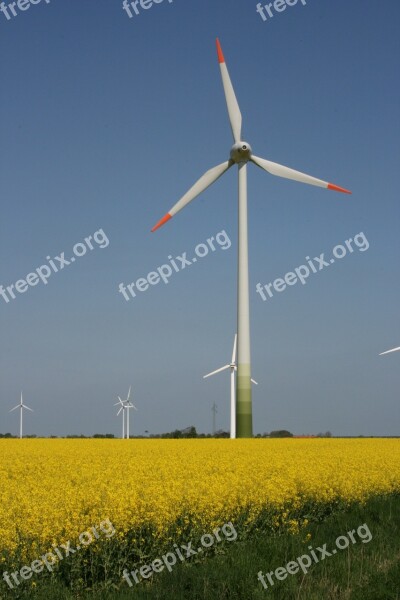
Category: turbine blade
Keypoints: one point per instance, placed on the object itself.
(281, 171)
(15, 408)
(129, 394)
(255, 382)
(27, 407)
(217, 371)
(233, 361)
(235, 116)
(389, 351)
(122, 408)
(201, 184)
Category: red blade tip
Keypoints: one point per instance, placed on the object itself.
(336, 188)
(160, 223)
(219, 51)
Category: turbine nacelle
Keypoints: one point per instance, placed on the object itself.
(241, 152)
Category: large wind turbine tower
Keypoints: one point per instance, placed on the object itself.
(240, 154)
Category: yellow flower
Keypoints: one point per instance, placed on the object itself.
(53, 490)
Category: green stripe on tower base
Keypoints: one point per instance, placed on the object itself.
(244, 412)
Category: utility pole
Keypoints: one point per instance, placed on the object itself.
(214, 411)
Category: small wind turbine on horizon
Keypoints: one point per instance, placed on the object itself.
(389, 351)
(125, 405)
(121, 404)
(128, 405)
(240, 154)
(233, 367)
(21, 407)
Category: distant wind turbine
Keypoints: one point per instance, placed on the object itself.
(240, 154)
(21, 407)
(389, 351)
(125, 405)
(128, 406)
(122, 408)
(233, 367)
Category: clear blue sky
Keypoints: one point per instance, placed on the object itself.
(106, 121)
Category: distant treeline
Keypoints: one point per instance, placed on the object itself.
(190, 432)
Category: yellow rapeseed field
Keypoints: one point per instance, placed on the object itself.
(52, 490)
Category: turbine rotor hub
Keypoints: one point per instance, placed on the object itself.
(241, 152)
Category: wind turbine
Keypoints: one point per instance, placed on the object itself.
(389, 351)
(128, 406)
(240, 154)
(122, 408)
(233, 367)
(21, 407)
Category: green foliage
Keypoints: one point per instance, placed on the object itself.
(362, 572)
(280, 433)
